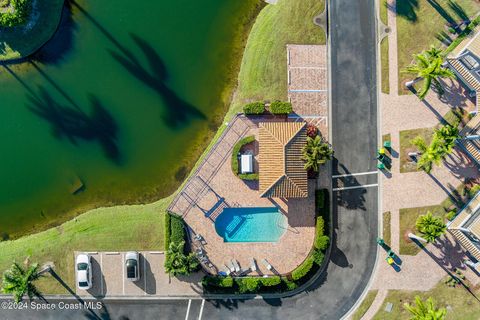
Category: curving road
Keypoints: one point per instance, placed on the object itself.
(355, 209)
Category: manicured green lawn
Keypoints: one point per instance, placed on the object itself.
(263, 73)
(384, 12)
(111, 229)
(387, 233)
(406, 146)
(15, 43)
(418, 24)
(365, 305)
(384, 66)
(462, 305)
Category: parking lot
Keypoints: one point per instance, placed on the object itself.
(109, 280)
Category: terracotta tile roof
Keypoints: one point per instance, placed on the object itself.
(280, 160)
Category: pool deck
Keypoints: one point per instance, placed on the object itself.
(214, 187)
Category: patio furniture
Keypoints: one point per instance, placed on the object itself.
(381, 157)
(226, 270)
(381, 151)
(200, 251)
(387, 144)
(389, 260)
(246, 163)
(236, 265)
(200, 239)
(253, 265)
(381, 166)
(230, 266)
(267, 265)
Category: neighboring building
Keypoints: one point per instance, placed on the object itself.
(470, 141)
(281, 168)
(466, 228)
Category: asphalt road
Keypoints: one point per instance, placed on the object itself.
(354, 138)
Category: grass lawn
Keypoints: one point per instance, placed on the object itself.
(366, 303)
(387, 235)
(418, 24)
(263, 73)
(15, 43)
(111, 229)
(384, 66)
(384, 12)
(408, 217)
(462, 305)
(406, 146)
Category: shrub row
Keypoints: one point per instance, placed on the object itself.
(276, 107)
(246, 284)
(20, 14)
(174, 229)
(468, 29)
(235, 164)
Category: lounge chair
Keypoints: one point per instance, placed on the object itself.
(267, 265)
(230, 266)
(200, 239)
(244, 272)
(253, 265)
(227, 270)
(236, 265)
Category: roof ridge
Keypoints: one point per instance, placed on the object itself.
(273, 183)
(296, 186)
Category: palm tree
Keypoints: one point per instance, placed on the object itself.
(430, 227)
(428, 67)
(19, 281)
(446, 137)
(425, 310)
(177, 263)
(315, 153)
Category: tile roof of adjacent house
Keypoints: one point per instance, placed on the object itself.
(467, 224)
(471, 139)
(281, 168)
(465, 74)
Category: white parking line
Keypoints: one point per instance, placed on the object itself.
(354, 174)
(101, 271)
(201, 310)
(188, 308)
(356, 187)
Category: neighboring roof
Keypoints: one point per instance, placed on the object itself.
(471, 43)
(471, 138)
(281, 168)
(465, 74)
(467, 224)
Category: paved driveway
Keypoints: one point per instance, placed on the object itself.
(109, 279)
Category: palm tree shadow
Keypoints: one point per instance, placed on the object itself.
(178, 111)
(75, 124)
(406, 9)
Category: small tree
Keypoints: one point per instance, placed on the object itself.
(177, 262)
(315, 153)
(425, 310)
(430, 227)
(19, 281)
(428, 67)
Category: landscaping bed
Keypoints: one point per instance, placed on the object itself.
(419, 24)
(406, 146)
(240, 147)
(23, 40)
(282, 283)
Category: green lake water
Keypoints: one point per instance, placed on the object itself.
(124, 99)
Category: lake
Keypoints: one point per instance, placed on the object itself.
(116, 108)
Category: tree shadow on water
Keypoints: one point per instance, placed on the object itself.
(75, 124)
(178, 111)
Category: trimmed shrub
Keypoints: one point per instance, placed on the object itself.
(279, 107)
(177, 229)
(254, 108)
(270, 281)
(167, 230)
(291, 285)
(236, 149)
(302, 270)
(222, 282)
(320, 198)
(320, 226)
(321, 242)
(318, 256)
(474, 190)
(246, 285)
(451, 214)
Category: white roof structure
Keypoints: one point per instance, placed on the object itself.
(246, 163)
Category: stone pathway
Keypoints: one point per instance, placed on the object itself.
(417, 189)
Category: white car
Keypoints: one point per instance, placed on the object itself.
(132, 266)
(83, 266)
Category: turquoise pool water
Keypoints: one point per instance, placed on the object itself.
(257, 224)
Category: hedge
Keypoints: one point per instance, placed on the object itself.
(279, 107)
(254, 108)
(303, 269)
(168, 230)
(468, 29)
(318, 256)
(177, 229)
(289, 284)
(236, 149)
(270, 281)
(246, 285)
(222, 282)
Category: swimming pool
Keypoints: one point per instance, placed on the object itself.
(256, 224)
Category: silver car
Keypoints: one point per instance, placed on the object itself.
(132, 266)
(83, 266)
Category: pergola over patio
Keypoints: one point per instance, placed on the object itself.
(281, 168)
